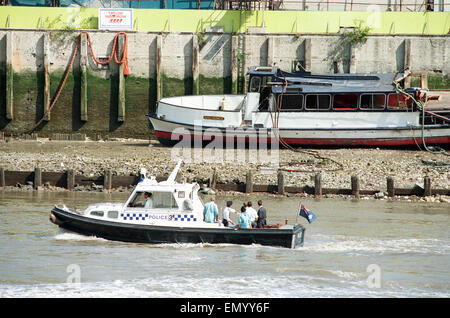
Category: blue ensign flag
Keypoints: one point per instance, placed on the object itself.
(307, 214)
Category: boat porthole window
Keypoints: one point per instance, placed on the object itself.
(317, 102)
(254, 84)
(345, 101)
(372, 101)
(291, 102)
(113, 214)
(97, 213)
(398, 101)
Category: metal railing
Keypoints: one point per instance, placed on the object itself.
(327, 5)
(302, 5)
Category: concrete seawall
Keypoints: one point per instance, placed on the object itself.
(93, 100)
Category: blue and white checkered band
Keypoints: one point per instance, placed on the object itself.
(184, 217)
(134, 216)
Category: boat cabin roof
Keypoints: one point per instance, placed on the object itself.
(306, 82)
(151, 185)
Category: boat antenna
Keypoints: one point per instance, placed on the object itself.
(173, 175)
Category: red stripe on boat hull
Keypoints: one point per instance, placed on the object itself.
(167, 137)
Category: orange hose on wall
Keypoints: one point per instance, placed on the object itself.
(114, 51)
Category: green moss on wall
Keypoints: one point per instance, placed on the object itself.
(214, 85)
(65, 117)
(434, 82)
(172, 86)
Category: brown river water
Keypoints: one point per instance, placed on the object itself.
(355, 248)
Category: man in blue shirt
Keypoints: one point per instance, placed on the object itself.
(210, 211)
(244, 220)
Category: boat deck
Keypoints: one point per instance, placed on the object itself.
(444, 100)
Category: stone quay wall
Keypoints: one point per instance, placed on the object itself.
(99, 99)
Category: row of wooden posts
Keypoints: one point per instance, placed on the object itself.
(108, 181)
(318, 190)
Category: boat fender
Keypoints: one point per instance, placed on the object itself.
(222, 105)
(54, 220)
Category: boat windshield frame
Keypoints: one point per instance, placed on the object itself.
(133, 201)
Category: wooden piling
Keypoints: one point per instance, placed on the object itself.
(424, 81)
(280, 182)
(318, 184)
(70, 179)
(37, 178)
(158, 67)
(355, 186)
(9, 76)
(121, 97)
(390, 186)
(407, 61)
(308, 54)
(270, 51)
(47, 98)
(195, 66)
(2, 177)
(107, 180)
(426, 186)
(352, 61)
(234, 65)
(83, 77)
(249, 182)
(213, 179)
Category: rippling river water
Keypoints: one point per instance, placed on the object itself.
(354, 249)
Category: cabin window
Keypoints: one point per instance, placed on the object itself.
(317, 101)
(345, 101)
(291, 102)
(113, 214)
(254, 84)
(97, 213)
(372, 101)
(187, 205)
(159, 200)
(398, 101)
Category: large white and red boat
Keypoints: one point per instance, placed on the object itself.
(305, 109)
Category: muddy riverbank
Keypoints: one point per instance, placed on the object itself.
(125, 157)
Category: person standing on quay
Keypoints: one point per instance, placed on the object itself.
(210, 211)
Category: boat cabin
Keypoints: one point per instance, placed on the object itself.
(303, 91)
(168, 203)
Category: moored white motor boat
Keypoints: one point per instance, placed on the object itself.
(306, 109)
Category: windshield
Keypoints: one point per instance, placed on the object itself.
(154, 200)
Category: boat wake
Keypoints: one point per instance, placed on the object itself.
(71, 236)
(246, 286)
(342, 243)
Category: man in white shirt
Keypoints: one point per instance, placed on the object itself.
(253, 214)
(226, 214)
(148, 202)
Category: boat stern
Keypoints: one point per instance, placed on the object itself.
(298, 236)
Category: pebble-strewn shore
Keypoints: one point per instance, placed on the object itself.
(127, 156)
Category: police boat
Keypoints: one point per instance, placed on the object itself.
(174, 214)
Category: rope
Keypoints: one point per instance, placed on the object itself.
(114, 51)
(313, 153)
(422, 106)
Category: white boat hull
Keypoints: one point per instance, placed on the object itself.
(171, 132)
